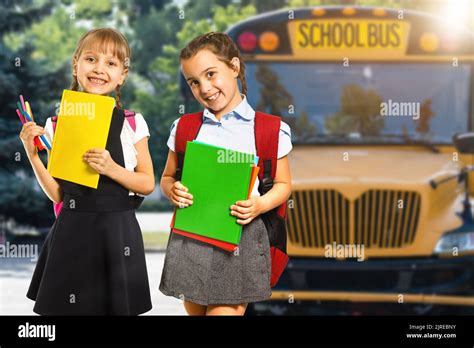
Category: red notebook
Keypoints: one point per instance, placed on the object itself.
(218, 243)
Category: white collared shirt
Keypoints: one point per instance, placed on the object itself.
(235, 131)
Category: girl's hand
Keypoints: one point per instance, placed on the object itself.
(28, 132)
(179, 195)
(246, 211)
(100, 160)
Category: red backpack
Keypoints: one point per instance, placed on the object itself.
(129, 116)
(267, 129)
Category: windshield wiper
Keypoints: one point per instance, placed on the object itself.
(324, 138)
(319, 139)
(409, 140)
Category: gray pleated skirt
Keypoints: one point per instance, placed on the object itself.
(200, 273)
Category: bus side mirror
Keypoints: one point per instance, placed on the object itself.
(464, 142)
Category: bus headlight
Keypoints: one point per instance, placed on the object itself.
(462, 241)
(429, 42)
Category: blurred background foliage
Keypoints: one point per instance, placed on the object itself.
(38, 38)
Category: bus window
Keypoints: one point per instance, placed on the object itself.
(358, 104)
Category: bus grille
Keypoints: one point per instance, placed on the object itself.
(376, 219)
(319, 217)
(386, 219)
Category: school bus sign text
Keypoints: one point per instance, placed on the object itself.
(360, 38)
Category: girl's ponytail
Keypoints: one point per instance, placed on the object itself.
(117, 97)
(74, 84)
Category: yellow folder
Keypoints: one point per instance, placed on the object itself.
(83, 123)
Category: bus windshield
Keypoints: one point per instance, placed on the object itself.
(363, 102)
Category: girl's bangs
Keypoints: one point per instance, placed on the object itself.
(107, 42)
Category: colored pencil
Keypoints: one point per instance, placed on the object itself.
(28, 109)
(22, 103)
(36, 140)
(21, 117)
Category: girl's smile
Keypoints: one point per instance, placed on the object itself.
(97, 81)
(214, 98)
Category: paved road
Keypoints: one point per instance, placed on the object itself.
(150, 222)
(15, 276)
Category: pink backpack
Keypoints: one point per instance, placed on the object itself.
(129, 116)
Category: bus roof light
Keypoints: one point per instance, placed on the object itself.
(379, 12)
(429, 42)
(318, 12)
(269, 41)
(247, 41)
(348, 11)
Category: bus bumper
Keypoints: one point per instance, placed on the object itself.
(369, 286)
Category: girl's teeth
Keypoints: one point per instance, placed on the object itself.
(213, 97)
(100, 82)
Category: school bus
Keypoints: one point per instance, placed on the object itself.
(378, 221)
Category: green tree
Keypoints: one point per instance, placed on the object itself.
(426, 114)
(303, 129)
(274, 98)
(18, 194)
(265, 5)
(152, 31)
(359, 112)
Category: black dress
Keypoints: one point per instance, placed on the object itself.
(93, 260)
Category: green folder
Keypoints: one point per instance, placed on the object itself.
(217, 178)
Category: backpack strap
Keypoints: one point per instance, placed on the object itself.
(267, 132)
(130, 117)
(56, 206)
(187, 130)
(267, 135)
(54, 121)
